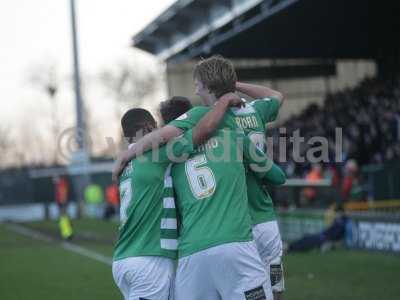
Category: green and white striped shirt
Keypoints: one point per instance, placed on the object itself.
(147, 210)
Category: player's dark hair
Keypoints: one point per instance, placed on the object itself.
(172, 108)
(136, 120)
(217, 74)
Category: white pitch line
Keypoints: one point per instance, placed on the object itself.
(65, 245)
(86, 252)
(29, 233)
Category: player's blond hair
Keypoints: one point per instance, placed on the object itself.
(217, 74)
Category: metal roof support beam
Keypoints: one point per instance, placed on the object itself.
(202, 24)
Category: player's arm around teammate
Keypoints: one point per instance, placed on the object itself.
(201, 132)
(256, 91)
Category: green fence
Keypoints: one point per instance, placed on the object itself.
(295, 224)
(382, 181)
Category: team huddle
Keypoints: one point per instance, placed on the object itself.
(197, 222)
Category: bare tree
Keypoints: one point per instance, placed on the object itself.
(31, 146)
(25, 146)
(5, 147)
(128, 83)
(46, 77)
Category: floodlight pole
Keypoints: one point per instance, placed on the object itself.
(77, 82)
(80, 158)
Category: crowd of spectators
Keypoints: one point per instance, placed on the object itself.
(369, 117)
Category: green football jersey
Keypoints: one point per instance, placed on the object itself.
(252, 119)
(147, 210)
(211, 192)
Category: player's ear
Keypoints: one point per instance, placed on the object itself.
(150, 126)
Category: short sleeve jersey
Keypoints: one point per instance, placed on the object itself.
(212, 195)
(147, 210)
(251, 119)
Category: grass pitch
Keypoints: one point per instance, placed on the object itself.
(33, 269)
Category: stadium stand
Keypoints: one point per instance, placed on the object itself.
(369, 115)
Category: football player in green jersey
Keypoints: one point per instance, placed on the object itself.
(218, 76)
(265, 226)
(174, 107)
(205, 196)
(146, 248)
(218, 258)
(213, 76)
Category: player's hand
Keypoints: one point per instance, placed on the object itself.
(232, 100)
(119, 165)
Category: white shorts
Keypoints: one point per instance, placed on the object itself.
(232, 271)
(144, 277)
(269, 245)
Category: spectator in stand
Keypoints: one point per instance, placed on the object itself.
(349, 179)
(112, 199)
(94, 200)
(309, 193)
(352, 189)
(369, 116)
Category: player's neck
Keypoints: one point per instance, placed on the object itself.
(210, 100)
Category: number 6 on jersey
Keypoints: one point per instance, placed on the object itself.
(201, 178)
